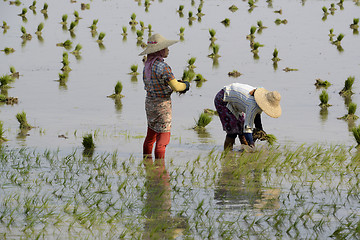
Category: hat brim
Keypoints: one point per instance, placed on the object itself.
(260, 98)
(158, 47)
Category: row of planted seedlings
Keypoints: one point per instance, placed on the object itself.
(289, 192)
(346, 93)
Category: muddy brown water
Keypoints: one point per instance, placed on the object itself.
(82, 107)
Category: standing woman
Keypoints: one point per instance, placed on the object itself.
(239, 106)
(159, 83)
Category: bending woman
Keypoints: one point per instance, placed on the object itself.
(239, 106)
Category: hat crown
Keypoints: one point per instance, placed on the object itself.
(156, 43)
(155, 39)
(273, 98)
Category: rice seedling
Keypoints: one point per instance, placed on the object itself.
(133, 21)
(325, 11)
(331, 34)
(134, 69)
(355, 24)
(77, 16)
(351, 112)
(39, 29)
(212, 33)
(150, 29)
(117, 91)
(93, 26)
(188, 75)
(191, 16)
(23, 12)
(226, 22)
(181, 33)
(64, 19)
(321, 83)
(260, 27)
(101, 37)
(25, 36)
(347, 90)
(255, 48)
(252, 5)
(251, 36)
(191, 62)
(203, 120)
(8, 50)
(180, 9)
(5, 26)
(139, 35)
(147, 5)
(2, 131)
(234, 73)
(88, 142)
(199, 12)
(332, 8)
(33, 6)
(65, 63)
(14, 73)
(278, 21)
(124, 29)
(67, 44)
(72, 27)
(233, 8)
(5, 80)
(44, 9)
(340, 3)
(24, 125)
(85, 6)
(275, 56)
(215, 53)
(324, 99)
(337, 42)
(356, 134)
(278, 11)
(77, 49)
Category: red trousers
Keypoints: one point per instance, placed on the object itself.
(161, 139)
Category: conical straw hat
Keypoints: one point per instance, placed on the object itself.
(268, 101)
(156, 43)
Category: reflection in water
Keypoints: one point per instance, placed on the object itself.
(347, 99)
(118, 104)
(159, 223)
(203, 135)
(240, 185)
(134, 79)
(324, 114)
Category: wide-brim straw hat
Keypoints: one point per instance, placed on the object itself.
(156, 43)
(268, 101)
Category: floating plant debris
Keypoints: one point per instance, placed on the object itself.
(321, 83)
(287, 69)
(234, 73)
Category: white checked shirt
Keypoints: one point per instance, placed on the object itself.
(241, 102)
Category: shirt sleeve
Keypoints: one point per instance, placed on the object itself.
(167, 74)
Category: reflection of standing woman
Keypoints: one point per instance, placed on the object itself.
(239, 106)
(159, 83)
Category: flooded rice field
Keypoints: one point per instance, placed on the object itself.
(305, 186)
